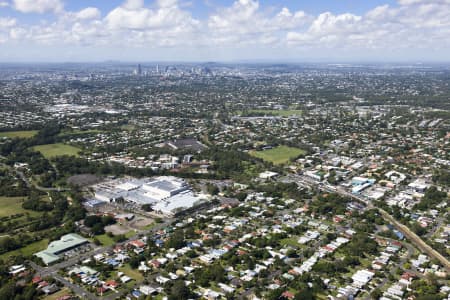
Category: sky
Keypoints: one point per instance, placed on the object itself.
(225, 30)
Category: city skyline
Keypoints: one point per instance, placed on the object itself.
(219, 30)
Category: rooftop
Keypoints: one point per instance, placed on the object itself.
(67, 242)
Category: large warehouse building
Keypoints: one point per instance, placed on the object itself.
(166, 194)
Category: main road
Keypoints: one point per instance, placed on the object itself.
(410, 235)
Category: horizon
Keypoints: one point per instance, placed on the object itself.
(234, 62)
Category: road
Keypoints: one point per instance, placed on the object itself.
(29, 183)
(436, 227)
(411, 236)
(43, 272)
(52, 271)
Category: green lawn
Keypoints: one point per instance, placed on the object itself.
(13, 205)
(27, 250)
(132, 273)
(275, 112)
(108, 241)
(292, 241)
(19, 134)
(105, 240)
(278, 155)
(53, 150)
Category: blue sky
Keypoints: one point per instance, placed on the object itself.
(224, 30)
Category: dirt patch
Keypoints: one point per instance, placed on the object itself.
(141, 222)
(117, 229)
(84, 179)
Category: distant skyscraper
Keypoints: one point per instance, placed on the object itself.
(157, 69)
(139, 70)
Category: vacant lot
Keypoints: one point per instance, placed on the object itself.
(53, 150)
(105, 240)
(278, 155)
(65, 291)
(117, 229)
(13, 205)
(134, 274)
(19, 134)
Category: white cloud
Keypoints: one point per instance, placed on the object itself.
(245, 24)
(4, 4)
(88, 13)
(7, 22)
(133, 16)
(133, 4)
(412, 25)
(38, 6)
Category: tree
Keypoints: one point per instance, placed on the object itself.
(212, 189)
(376, 294)
(147, 207)
(98, 229)
(176, 240)
(90, 221)
(179, 290)
(135, 261)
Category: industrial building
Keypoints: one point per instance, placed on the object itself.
(166, 194)
(67, 242)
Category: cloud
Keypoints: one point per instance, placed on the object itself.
(7, 22)
(244, 24)
(415, 24)
(88, 13)
(133, 4)
(38, 6)
(133, 16)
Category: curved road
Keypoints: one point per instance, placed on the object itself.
(30, 183)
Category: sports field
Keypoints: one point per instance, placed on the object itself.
(278, 155)
(19, 134)
(53, 150)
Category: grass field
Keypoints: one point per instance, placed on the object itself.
(278, 155)
(276, 112)
(53, 150)
(27, 250)
(13, 205)
(10, 206)
(107, 241)
(19, 134)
